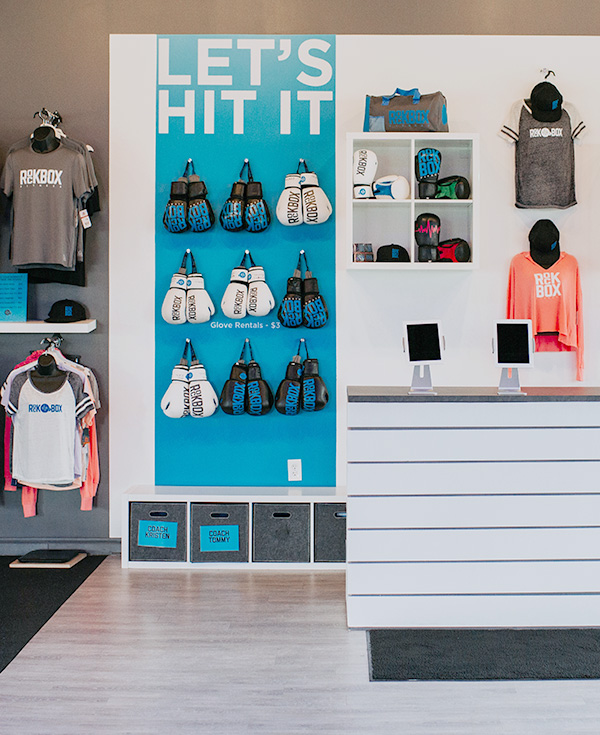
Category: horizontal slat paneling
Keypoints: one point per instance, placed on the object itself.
(478, 477)
(473, 545)
(473, 444)
(510, 611)
(474, 511)
(436, 414)
(473, 578)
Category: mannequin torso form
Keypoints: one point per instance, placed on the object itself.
(44, 139)
(46, 376)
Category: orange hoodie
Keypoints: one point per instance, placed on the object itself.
(551, 298)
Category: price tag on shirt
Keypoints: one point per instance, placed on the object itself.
(85, 219)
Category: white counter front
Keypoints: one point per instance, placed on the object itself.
(469, 509)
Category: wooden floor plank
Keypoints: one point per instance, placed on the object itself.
(142, 652)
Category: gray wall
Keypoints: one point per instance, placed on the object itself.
(55, 55)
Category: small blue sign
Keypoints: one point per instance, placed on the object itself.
(161, 534)
(13, 297)
(219, 538)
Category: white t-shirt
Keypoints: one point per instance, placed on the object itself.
(45, 429)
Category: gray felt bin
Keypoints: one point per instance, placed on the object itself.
(157, 531)
(330, 532)
(281, 532)
(219, 532)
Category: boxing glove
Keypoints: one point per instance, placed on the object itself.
(176, 402)
(232, 213)
(287, 397)
(428, 162)
(313, 394)
(259, 397)
(256, 214)
(173, 306)
(175, 215)
(199, 306)
(290, 309)
(453, 187)
(427, 236)
(200, 214)
(260, 297)
(364, 166)
(391, 187)
(235, 299)
(203, 399)
(289, 204)
(316, 207)
(455, 250)
(233, 395)
(314, 309)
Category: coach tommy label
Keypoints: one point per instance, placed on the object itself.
(219, 538)
(162, 535)
(40, 177)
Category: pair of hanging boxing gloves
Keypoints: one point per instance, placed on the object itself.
(187, 300)
(190, 393)
(303, 201)
(246, 391)
(188, 206)
(247, 293)
(245, 209)
(302, 304)
(302, 388)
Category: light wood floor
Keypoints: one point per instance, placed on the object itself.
(146, 652)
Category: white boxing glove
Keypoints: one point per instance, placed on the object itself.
(199, 306)
(260, 298)
(203, 399)
(176, 402)
(289, 205)
(235, 299)
(364, 168)
(316, 207)
(391, 187)
(173, 306)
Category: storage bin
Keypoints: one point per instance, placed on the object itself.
(157, 532)
(219, 532)
(330, 532)
(281, 532)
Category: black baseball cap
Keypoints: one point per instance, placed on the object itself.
(66, 311)
(392, 254)
(546, 102)
(544, 239)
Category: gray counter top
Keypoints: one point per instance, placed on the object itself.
(397, 394)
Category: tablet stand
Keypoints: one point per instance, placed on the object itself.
(421, 381)
(509, 384)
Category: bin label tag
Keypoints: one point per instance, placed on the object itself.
(162, 534)
(219, 538)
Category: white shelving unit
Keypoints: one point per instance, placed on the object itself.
(40, 327)
(385, 221)
(168, 494)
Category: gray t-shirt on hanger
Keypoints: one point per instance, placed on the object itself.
(544, 156)
(45, 188)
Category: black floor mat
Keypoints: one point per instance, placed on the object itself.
(476, 655)
(30, 597)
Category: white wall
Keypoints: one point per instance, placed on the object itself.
(481, 77)
(495, 72)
